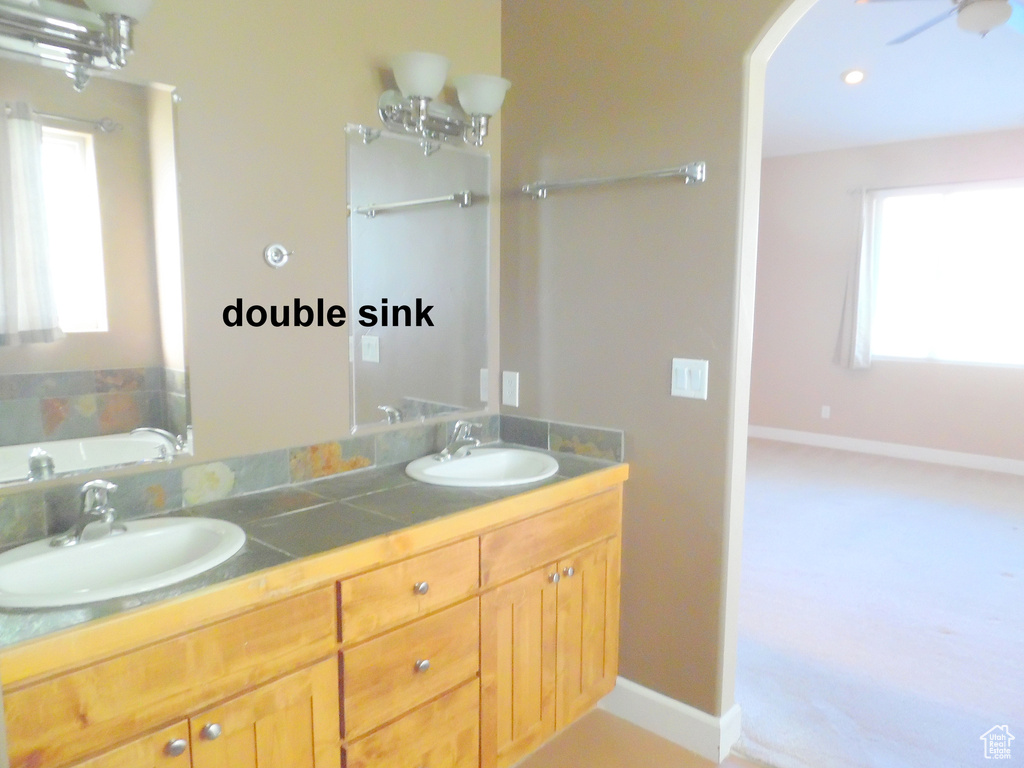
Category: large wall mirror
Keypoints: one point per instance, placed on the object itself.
(419, 238)
(91, 311)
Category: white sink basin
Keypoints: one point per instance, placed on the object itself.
(153, 553)
(485, 468)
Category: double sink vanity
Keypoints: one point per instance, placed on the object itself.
(369, 619)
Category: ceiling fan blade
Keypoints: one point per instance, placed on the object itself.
(927, 25)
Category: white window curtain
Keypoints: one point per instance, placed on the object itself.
(28, 312)
(853, 348)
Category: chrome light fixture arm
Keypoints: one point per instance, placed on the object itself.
(82, 41)
(412, 116)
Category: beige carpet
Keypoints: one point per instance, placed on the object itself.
(881, 611)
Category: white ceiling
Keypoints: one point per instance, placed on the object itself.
(944, 81)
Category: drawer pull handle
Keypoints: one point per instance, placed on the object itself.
(210, 731)
(175, 747)
(421, 587)
(421, 665)
(555, 577)
(569, 571)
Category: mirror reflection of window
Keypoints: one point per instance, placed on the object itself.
(71, 194)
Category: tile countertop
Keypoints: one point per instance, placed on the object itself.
(286, 524)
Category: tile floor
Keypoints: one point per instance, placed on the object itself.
(601, 740)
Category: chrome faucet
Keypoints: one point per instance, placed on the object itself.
(460, 442)
(40, 465)
(391, 414)
(96, 508)
(177, 442)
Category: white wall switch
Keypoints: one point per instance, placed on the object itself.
(484, 385)
(510, 388)
(826, 412)
(689, 378)
(371, 349)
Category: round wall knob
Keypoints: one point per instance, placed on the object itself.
(176, 747)
(421, 665)
(210, 731)
(554, 578)
(421, 587)
(276, 255)
(569, 571)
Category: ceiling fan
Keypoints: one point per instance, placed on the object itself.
(979, 16)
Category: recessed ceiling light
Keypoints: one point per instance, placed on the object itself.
(853, 76)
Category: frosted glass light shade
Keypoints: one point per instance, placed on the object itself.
(983, 16)
(420, 74)
(481, 94)
(134, 9)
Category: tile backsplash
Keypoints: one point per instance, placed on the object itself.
(595, 442)
(29, 514)
(60, 405)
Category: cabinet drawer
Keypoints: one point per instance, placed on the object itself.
(381, 679)
(392, 595)
(442, 734)
(57, 720)
(518, 548)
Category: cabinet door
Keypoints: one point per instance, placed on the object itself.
(517, 667)
(164, 749)
(442, 734)
(588, 629)
(292, 722)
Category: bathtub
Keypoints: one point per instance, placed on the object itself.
(85, 453)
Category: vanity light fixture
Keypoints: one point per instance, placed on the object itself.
(98, 38)
(415, 108)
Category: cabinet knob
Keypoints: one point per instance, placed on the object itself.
(421, 587)
(569, 571)
(421, 665)
(210, 731)
(555, 577)
(175, 747)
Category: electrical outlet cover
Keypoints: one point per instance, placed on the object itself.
(510, 388)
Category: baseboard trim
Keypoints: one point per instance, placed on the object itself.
(892, 450)
(706, 735)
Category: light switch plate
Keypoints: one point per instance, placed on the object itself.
(371, 349)
(484, 385)
(689, 378)
(510, 388)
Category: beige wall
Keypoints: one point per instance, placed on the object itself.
(602, 288)
(809, 235)
(267, 89)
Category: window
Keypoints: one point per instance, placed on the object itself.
(948, 265)
(71, 193)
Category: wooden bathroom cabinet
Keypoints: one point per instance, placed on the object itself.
(461, 642)
(549, 637)
(289, 722)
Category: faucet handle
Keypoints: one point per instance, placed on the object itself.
(463, 429)
(95, 494)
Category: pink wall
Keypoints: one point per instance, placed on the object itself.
(809, 233)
